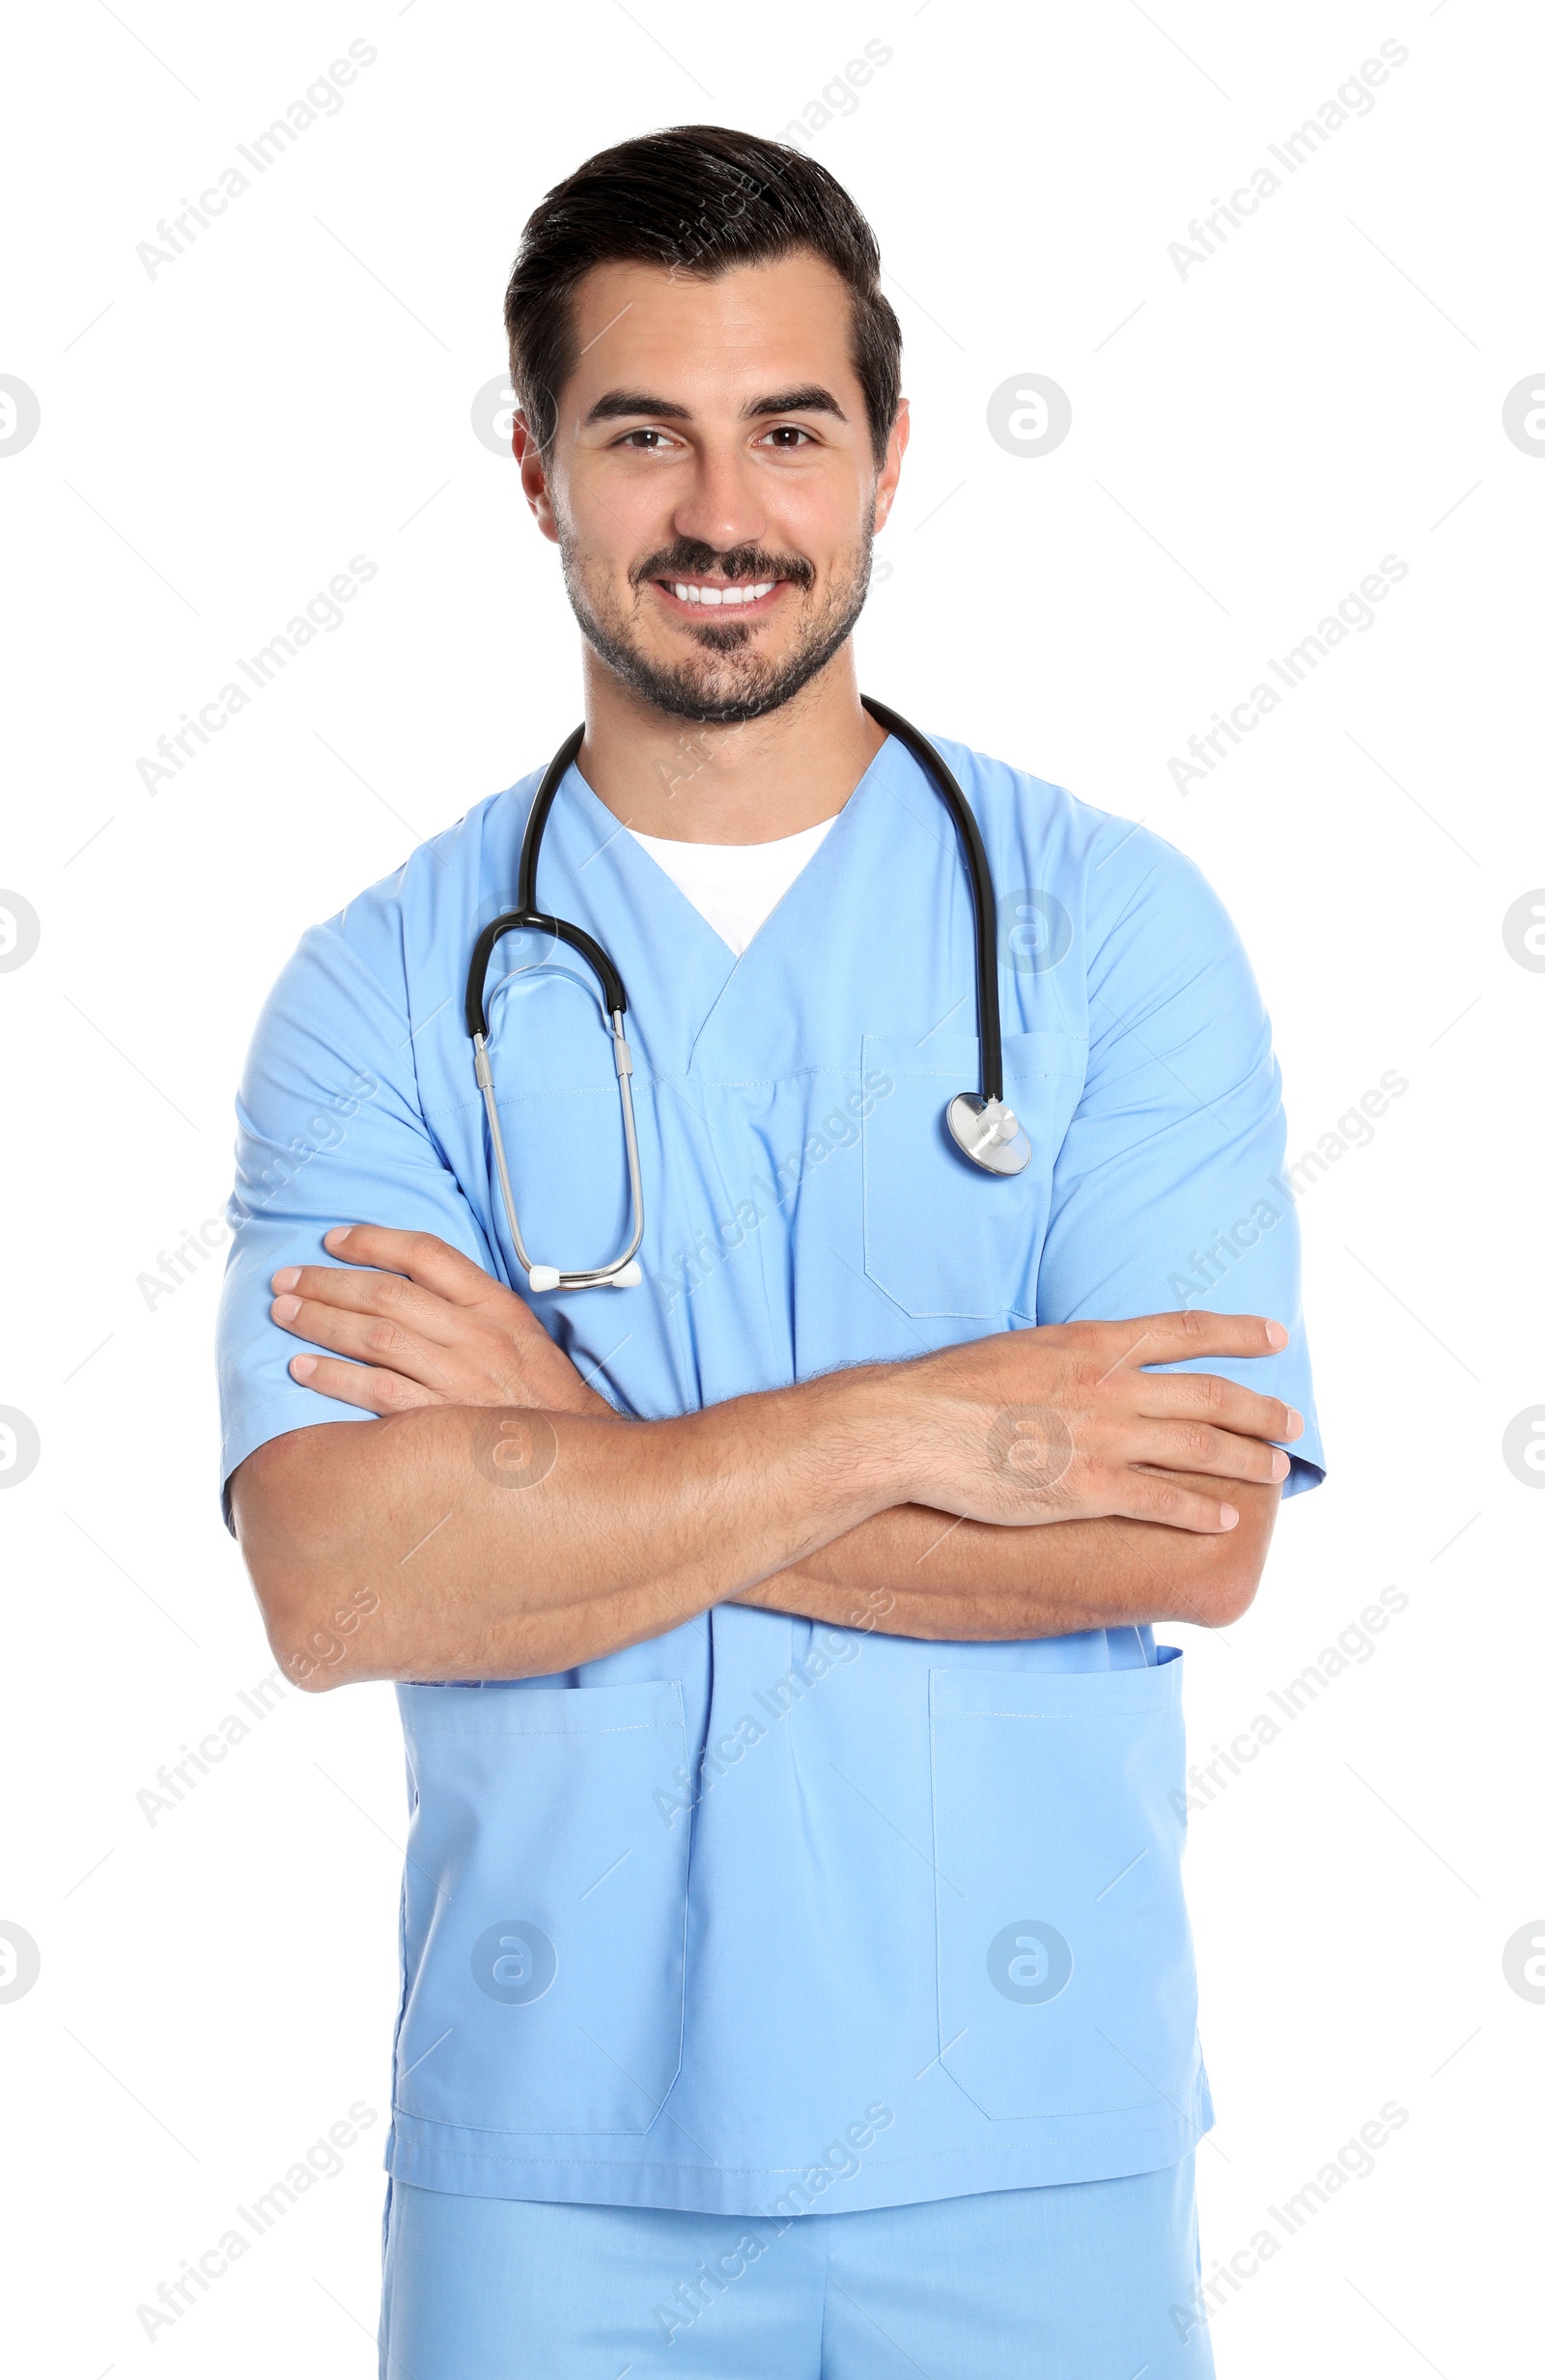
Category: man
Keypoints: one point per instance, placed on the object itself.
(797, 1978)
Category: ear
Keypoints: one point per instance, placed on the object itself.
(890, 469)
(533, 476)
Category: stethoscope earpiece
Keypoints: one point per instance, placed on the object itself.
(548, 1276)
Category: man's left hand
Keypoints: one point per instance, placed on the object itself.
(422, 1325)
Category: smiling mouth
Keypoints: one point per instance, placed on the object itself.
(737, 597)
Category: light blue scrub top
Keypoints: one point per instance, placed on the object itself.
(678, 1922)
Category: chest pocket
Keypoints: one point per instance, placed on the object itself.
(940, 1236)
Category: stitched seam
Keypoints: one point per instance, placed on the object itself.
(937, 2156)
(748, 1082)
(656, 1081)
(1135, 1710)
(633, 1726)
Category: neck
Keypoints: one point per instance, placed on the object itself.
(750, 783)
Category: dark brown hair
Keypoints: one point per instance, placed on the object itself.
(696, 199)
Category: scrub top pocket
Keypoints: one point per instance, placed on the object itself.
(1066, 1984)
(940, 1236)
(544, 1907)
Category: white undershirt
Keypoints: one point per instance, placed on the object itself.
(736, 886)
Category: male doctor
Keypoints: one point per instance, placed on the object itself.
(797, 1978)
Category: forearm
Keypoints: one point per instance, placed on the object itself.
(913, 1572)
(448, 1543)
(489, 1523)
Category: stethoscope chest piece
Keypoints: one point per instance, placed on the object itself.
(988, 1132)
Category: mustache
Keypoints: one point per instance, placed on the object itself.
(689, 554)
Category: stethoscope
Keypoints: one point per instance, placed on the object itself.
(986, 1132)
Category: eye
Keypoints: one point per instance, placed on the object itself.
(646, 442)
(786, 437)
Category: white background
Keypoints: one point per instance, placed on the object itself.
(1248, 441)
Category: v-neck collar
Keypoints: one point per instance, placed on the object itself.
(741, 880)
(610, 831)
(594, 872)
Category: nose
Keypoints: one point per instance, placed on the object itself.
(724, 506)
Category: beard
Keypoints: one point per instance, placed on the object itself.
(728, 679)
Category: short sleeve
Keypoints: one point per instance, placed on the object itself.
(330, 1131)
(1168, 1190)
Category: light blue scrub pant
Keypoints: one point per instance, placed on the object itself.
(1092, 2281)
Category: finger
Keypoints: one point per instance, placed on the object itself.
(1174, 1338)
(359, 1383)
(390, 1295)
(1172, 1395)
(430, 1261)
(1219, 1454)
(1155, 1496)
(366, 1338)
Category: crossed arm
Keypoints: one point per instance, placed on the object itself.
(502, 1521)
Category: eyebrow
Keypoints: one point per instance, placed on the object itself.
(626, 404)
(811, 400)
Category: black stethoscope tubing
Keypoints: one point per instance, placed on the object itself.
(986, 1132)
(527, 916)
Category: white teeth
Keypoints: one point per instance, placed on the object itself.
(684, 594)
